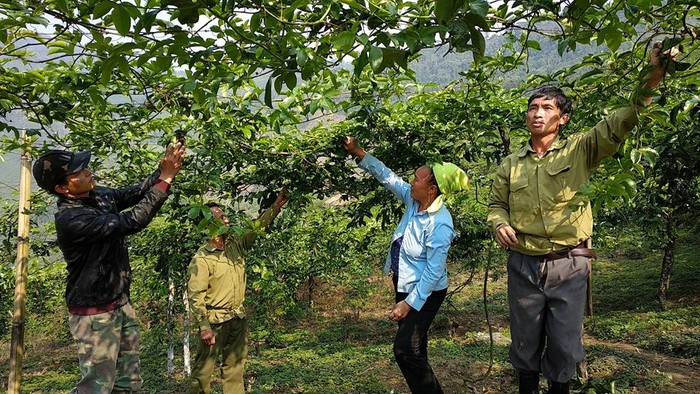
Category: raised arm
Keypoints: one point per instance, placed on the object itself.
(169, 167)
(605, 138)
(656, 75)
(246, 240)
(400, 188)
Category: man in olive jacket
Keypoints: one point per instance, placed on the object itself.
(217, 291)
(534, 211)
(91, 230)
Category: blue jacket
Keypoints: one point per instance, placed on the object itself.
(426, 238)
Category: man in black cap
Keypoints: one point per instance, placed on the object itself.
(91, 231)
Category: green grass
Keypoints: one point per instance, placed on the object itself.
(327, 350)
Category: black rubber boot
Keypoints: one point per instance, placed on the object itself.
(558, 388)
(528, 382)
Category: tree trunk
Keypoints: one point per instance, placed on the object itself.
(505, 139)
(171, 324)
(186, 329)
(669, 254)
(311, 289)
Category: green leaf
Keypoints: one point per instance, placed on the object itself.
(375, 57)
(359, 63)
(121, 19)
(199, 96)
(278, 84)
(534, 45)
(669, 43)
(301, 57)
(480, 7)
(147, 20)
(394, 56)
(476, 20)
(268, 92)
(445, 10)
(290, 79)
(194, 211)
(247, 131)
(479, 44)
(681, 66)
(635, 155)
(107, 67)
(61, 5)
(162, 63)
(123, 65)
(255, 21)
(344, 41)
(190, 85)
(101, 9)
(612, 37)
(650, 155)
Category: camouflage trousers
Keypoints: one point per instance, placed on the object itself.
(107, 351)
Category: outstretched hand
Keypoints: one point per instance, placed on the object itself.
(172, 161)
(656, 59)
(281, 200)
(352, 147)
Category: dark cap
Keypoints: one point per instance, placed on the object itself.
(51, 168)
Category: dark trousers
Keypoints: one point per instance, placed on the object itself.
(547, 301)
(411, 344)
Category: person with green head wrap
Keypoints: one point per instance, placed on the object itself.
(450, 178)
(417, 258)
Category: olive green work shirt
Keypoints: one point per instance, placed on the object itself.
(217, 277)
(537, 196)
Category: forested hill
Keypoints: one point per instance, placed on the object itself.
(440, 67)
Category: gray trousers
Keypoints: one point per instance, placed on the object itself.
(546, 300)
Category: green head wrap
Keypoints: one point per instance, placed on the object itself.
(450, 178)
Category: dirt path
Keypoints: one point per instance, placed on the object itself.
(684, 373)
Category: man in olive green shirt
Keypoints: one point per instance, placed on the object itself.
(217, 290)
(534, 211)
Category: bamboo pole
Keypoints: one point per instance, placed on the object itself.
(17, 345)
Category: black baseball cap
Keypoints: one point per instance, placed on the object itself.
(51, 168)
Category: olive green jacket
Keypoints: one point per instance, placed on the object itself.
(537, 196)
(217, 277)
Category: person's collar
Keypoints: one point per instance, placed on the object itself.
(436, 205)
(63, 200)
(558, 143)
(212, 248)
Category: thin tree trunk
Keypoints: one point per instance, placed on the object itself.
(186, 336)
(18, 314)
(311, 289)
(669, 255)
(171, 325)
(505, 139)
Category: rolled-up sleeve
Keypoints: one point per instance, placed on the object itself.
(437, 246)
